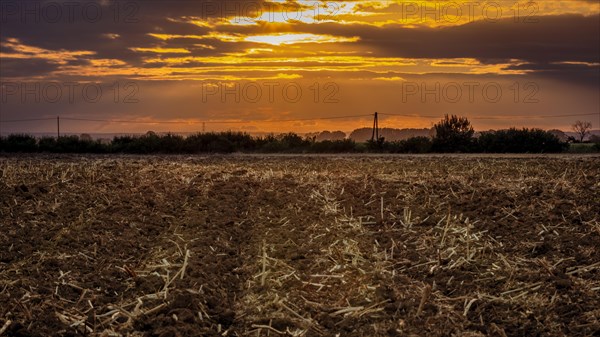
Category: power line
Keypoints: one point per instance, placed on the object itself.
(494, 117)
(204, 122)
(27, 120)
(532, 117)
(213, 121)
(409, 115)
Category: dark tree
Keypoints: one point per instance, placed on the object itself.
(582, 129)
(453, 134)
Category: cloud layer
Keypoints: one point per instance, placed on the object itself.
(379, 43)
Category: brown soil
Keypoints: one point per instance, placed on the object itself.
(299, 246)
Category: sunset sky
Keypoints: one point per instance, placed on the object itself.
(291, 65)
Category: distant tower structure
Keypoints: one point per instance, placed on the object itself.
(203, 127)
(375, 135)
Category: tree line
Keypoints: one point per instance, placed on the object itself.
(452, 134)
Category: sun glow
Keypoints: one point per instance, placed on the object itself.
(369, 49)
(288, 39)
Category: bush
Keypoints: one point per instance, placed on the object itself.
(171, 143)
(293, 142)
(19, 143)
(288, 142)
(131, 144)
(224, 142)
(122, 144)
(333, 146)
(520, 141)
(453, 134)
(416, 145)
(47, 144)
(74, 144)
(240, 141)
(377, 145)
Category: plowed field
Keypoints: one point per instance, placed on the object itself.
(299, 246)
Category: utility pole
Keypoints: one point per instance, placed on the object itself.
(375, 135)
(203, 127)
(57, 127)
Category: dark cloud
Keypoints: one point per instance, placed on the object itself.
(126, 25)
(14, 67)
(119, 26)
(580, 74)
(551, 39)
